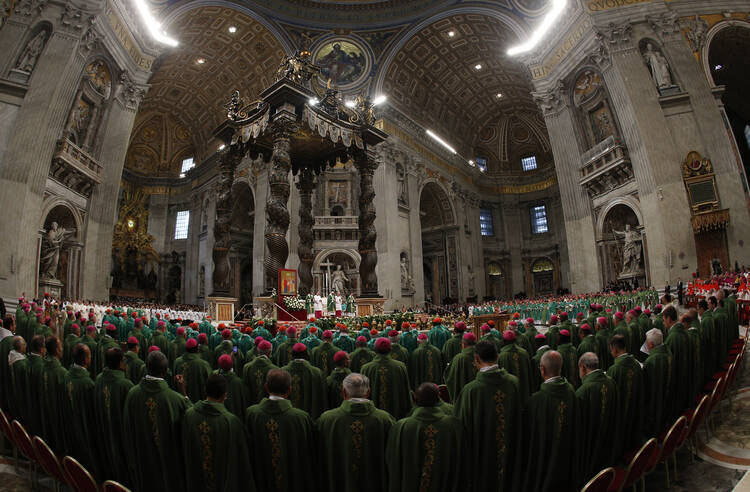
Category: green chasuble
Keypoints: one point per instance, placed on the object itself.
(389, 385)
(6, 383)
(696, 362)
(622, 329)
(451, 348)
(322, 357)
(722, 339)
(598, 406)
(602, 349)
(426, 365)
(536, 376)
(80, 418)
(283, 355)
(333, 383)
(135, 368)
(570, 363)
(438, 336)
(553, 336)
(281, 442)
(154, 414)
(215, 450)
(490, 409)
(19, 376)
(460, 371)
(254, 376)
(351, 442)
(53, 388)
(399, 353)
(628, 375)
(517, 362)
(359, 358)
(657, 375)
(238, 395)
(636, 337)
(588, 344)
(34, 413)
(195, 371)
(550, 451)
(70, 341)
(110, 391)
(308, 387)
(679, 345)
(424, 451)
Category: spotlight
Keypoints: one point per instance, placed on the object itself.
(200, 61)
(451, 34)
(350, 103)
(222, 147)
(441, 141)
(478, 66)
(312, 101)
(499, 95)
(232, 29)
(379, 100)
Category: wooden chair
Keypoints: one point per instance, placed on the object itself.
(601, 481)
(7, 432)
(50, 462)
(628, 477)
(674, 435)
(112, 486)
(79, 478)
(23, 441)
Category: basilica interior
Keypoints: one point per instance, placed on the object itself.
(522, 147)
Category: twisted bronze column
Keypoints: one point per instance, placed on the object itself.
(365, 163)
(305, 185)
(229, 161)
(277, 214)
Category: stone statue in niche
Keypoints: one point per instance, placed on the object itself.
(601, 123)
(100, 78)
(631, 250)
(338, 280)
(79, 123)
(403, 197)
(31, 52)
(407, 282)
(659, 67)
(471, 278)
(52, 243)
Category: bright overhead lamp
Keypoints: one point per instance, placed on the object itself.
(478, 66)
(350, 103)
(312, 101)
(222, 146)
(471, 162)
(232, 29)
(154, 27)
(557, 8)
(379, 100)
(200, 61)
(499, 95)
(451, 34)
(441, 141)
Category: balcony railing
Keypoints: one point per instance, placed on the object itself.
(72, 155)
(336, 222)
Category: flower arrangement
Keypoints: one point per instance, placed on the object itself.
(294, 303)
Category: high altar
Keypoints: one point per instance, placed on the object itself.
(292, 128)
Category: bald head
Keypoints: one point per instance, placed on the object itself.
(551, 364)
(427, 395)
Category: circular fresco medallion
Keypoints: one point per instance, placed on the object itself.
(343, 61)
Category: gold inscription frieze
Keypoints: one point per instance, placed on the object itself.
(570, 41)
(600, 5)
(130, 45)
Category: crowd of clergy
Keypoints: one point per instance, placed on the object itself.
(526, 409)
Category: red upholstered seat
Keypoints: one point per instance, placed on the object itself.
(618, 479)
(717, 375)
(5, 427)
(112, 486)
(22, 440)
(49, 461)
(636, 468)
(601, 481)
(79, 478)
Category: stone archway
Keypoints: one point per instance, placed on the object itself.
(241, 224)
(497, 281)
(327, 261)
(613, 252)
(439, 244)
(60, 251)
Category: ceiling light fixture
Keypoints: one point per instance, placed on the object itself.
(153, 26)
(379, 100)
(222, 146)
(232, 29)
(350, 103)
(441, 141)
(478, 66)
(499, 95)
(718, 67)
(557, 8)
(200, 61)
(471, 162)
(451, 34)
(182, 175)
(313, 101)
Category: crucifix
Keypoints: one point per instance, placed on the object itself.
(327, 277)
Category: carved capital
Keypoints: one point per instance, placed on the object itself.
(616, 37)
(599, 53)
(30, 8)
(129, 93)
(695, 32)
(551, 101)
(665, 26)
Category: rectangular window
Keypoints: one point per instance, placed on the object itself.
(529, 163)
(481, 164)
(539, 219)
(485, 222)
(181, 224)
(187, 165)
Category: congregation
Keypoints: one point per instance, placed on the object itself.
(162, 404)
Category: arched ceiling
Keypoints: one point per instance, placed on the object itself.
(433, 78)
(192, 93)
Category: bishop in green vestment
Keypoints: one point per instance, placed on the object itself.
(351, 441)
(628, 375)
(425, 449)
(135, 368)
(336, 378)
(517, 362)
(53, 388)
(599, 419)
(18, 366)
(461, 370)
(238, 396)
(215, 444)
(657, 377)
(34, 412)
(425, 363)
(570, 359)
(308, 384)
(281, 440)
(254, 373)
(452, 346)
(110, 391)
(708, 330)
(390, 381)
(550, 452)
(361, 355)
(398, 352)
(283, 355)
(79, 413)
(194, 370)
(6, 345)
(153, 430)
(679, 345)
(322, 355)
(489, 408)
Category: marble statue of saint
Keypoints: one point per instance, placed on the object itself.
(716, 264)
(338, 280)
(405, 276)
(471, 278)
(631, 250)
(659, 67)
(31, 53)
(52, 245)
